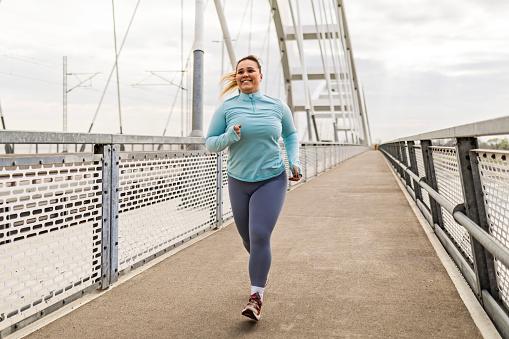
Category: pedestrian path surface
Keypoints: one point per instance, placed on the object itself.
(350, 260)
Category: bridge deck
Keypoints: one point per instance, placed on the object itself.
(350, 259)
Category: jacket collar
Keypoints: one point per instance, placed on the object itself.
(252, 96)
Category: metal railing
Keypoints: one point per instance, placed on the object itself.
(463, 192)
(71, 223)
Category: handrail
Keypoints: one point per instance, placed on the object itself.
(29, 137)
(495, 126)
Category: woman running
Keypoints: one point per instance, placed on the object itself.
(250, 124)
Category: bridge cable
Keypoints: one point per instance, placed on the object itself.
(354, 80)
(320, 33)
(325, 21)
(310, 113)
(116, 65)
(333, 39)
(250, 27)
(266, 42)
(347, 62)
(112, 70)
(241, 24)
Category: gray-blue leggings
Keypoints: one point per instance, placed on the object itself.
(256, 207)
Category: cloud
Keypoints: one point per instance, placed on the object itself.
(424, 65)
(427, 65)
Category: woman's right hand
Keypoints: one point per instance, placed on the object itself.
(236, 128)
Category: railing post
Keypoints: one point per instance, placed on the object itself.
(305, 165)
(405, 162)
(105, 150)
(115, 187)
(431, 180)
(326, 150)
(414, 169)
(335, 155)
(316, 160)
(109, 236)
(483, 222)
(395, 155)
(483, 260)
(219, 193)
(399, 156)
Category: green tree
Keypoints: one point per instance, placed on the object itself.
(494, 143)
(504, 144)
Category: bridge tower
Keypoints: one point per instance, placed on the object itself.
(320, 79)
(319, 74)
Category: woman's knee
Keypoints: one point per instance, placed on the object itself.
(259, 239)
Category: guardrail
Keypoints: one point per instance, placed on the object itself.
(71, 223)
(463, 192)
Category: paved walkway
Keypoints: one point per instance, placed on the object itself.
(350, 260)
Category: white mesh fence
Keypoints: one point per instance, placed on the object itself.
(449, 185)
(163, 201)
(494, 174)
(50, 234)
(316, 159)
(227, 206)
(310, 164)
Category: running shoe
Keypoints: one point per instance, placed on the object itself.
(253, 307)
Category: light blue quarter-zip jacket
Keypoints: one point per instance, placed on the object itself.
(256, 155)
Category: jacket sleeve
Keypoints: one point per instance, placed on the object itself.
(218, 137)
(290, 138)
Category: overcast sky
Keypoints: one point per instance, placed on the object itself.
(424, 64)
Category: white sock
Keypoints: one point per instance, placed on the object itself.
(255, 289)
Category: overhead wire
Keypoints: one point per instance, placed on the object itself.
(59, 68)
(89, 89)
(19, 58)
(25, 77)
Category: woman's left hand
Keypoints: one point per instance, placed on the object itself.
(296, 176)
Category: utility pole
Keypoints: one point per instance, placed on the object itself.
(65, 96)
(9, 149)
(65, 102)
(181, 67)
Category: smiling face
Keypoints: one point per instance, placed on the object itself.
(248, 76)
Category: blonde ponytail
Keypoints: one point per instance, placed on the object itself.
(228, 83)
